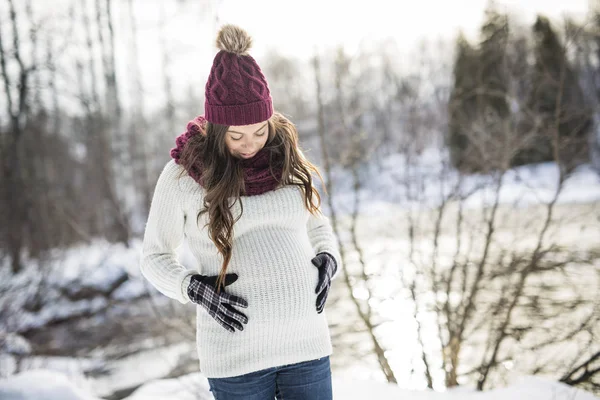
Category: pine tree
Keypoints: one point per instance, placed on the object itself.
(596, 134)
(596, 17)
(556, 103)
(462, 104)
(493, 73)
(478, 103)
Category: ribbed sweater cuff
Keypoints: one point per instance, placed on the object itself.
(184, 285)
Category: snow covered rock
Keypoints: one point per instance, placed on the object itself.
(99, 281)
(11, 343)
(130, 290)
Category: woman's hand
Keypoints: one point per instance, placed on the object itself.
(327, 268)
(202, 291)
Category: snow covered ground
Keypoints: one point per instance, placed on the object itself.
(48, 385)
(425, 181)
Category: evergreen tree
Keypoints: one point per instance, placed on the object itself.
(596, 17)
(556, 109)
(493, 72)
(478, 103)
(462, 104)
(596, 134)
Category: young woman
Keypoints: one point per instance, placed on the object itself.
(240, 190)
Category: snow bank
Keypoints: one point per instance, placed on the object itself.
(41, 385)
(48, 385)
(530, 388)
(188, 387)
(430, 182)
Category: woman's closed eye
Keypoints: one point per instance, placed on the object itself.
(256, 134)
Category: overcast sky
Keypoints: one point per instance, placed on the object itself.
(293, 28)
(296, 26)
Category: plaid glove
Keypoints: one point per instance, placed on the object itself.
(202, 291)
(327, 267)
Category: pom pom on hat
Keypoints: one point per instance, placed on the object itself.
(234, 39)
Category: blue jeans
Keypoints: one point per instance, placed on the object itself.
(308, 380)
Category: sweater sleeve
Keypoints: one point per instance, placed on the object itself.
(322, 238)
(163, 234)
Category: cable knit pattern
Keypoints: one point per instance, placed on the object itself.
(197, 126)
(274, 242)
(237, 92)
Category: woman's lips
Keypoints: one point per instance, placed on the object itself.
(247, 155)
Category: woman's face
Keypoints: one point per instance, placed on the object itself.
(244, 141)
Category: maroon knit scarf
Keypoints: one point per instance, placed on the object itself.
(258, 178)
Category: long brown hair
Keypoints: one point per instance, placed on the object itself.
(223, 177)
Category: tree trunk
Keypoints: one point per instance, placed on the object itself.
(119, 221)
(17, 109)
(137, 131)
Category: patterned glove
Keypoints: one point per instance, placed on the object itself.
(327, 267)
(202, 291)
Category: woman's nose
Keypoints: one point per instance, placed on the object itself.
(247, 144)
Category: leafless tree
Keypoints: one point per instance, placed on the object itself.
(483, 297)
(17, 94)
(138, 147)
(110, 136)
(363, 308)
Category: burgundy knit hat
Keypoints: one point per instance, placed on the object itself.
(237, 92)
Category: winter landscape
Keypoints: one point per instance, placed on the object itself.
(461, 174)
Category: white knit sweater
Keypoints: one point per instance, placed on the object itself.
(274, 242)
